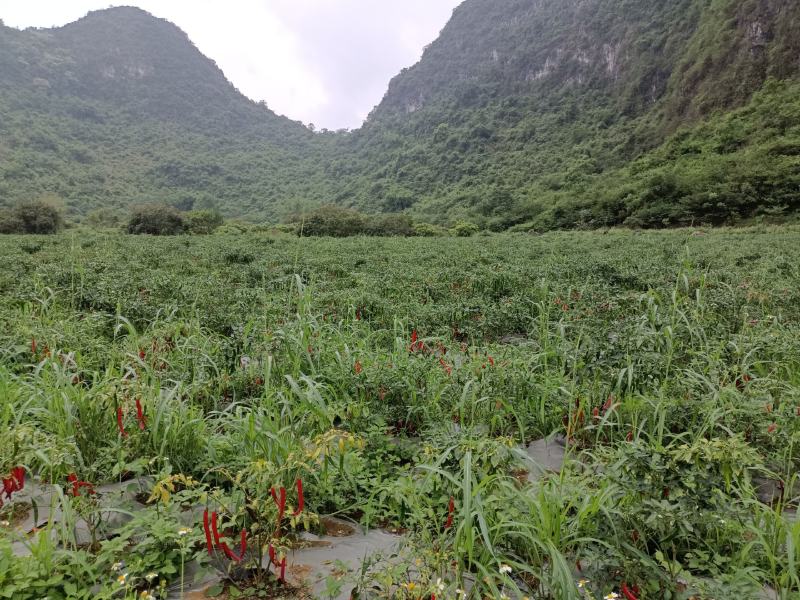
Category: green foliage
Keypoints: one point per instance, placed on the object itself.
(156, 219)
(392, 375)
(203, 221)
(464, 229)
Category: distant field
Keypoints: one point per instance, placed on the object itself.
(391, 376)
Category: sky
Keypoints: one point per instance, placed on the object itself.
(326, 62)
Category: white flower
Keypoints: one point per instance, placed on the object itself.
(461, 594)
(184, 531)
(611, 596)
(582, 583)
(503, 596)
(505, 570)
(5, 524)
(122, 579)
(150, 577)
(118, 566)
(440, 584)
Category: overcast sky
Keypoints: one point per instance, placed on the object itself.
(326, 62)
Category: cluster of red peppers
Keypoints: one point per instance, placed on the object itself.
(140, 418)
(77, 485)
(451, 509)
(14, 483)
(213, 538)
(630, 593)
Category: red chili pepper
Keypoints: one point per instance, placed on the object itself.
(9, 486)
(141, 354)
(272, 558)
(280, 503)
(207, 531)
(140, 415)
(451, 507)
(358, 367)
(491, 361)
(628, 593)
(120, 424)
(33, 345)
(300, 499)
(283, 570)
(18, 473)
(214, 527)
(772, 427)
(608, 403)
(629, 437)
(596, 413)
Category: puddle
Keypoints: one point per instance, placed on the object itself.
(545, 456)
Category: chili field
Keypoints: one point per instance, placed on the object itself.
(570, 415)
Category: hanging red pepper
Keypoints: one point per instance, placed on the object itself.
(214, 528)
(120, 424)
(283, 570)
(33, 346)
(300, 500)
(281, 503)
(18, 473)
(140, 415)
(272, 558)
(9, 487)
(451, 507)
(207, 531)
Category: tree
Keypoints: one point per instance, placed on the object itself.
(34, 216)
(156, 219)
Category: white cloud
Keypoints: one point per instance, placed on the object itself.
(321, 61)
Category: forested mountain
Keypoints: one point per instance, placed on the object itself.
(528, 113)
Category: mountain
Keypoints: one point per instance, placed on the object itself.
(523, 113)
(120, 107)
(561, 112)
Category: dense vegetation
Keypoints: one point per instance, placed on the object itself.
(398, 380)
(548, 114)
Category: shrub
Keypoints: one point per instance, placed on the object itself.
(428, 230)
(35, 216)
(464, 229)
(102, 218)
(203, 222)
(390, 225)
(156, 219)
(333, 221)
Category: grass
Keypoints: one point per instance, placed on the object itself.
(669, 361)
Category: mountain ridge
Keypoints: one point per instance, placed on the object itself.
(522, 111)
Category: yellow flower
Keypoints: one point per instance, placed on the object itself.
(582, 583)
(122, 579)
